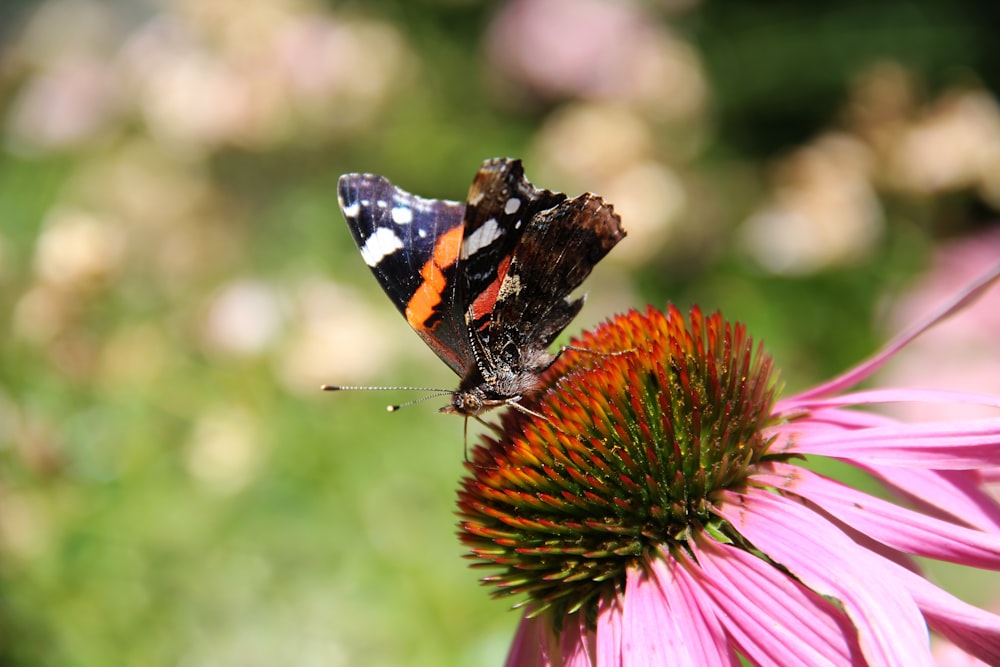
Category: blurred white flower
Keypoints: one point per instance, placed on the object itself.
(244, 317)
(606, 148)
(179, 227)
(334, 323)
(338, 74)
(42, 313)
(598, 50)
(65, 107)
(664, 78)
(585, 143)
(156, 193)
(191, 98)
(881, 100)
(77, 250)
(926, 149)
(225, 452)
(256, 76)
(955, 145)
(70, 97)
(823, 212)
(650, 198)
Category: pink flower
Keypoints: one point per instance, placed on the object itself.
(660, 513)
(965, 347)
(596, 50)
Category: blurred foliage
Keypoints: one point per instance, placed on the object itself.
(176, 279)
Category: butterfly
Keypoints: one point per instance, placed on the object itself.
(484, 283)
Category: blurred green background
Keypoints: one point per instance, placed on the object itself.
(176, 280)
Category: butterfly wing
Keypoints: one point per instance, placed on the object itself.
(500, 207)
(412, 246)
(557, 251)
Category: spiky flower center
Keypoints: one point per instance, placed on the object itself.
(639, 431)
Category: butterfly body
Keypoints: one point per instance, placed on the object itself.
(486, 283)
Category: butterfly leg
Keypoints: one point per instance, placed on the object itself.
(514, 403)
(490, 425)
(465, 438)
(586, 350)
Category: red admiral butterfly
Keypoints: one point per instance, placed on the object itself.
(485, 283)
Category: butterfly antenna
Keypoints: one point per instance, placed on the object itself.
(439, 392)
(465, 439)
(352, 387)
(391, 408)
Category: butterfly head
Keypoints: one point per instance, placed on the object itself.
(471, 402)
(505, 385)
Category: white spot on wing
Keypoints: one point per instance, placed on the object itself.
(482, 237)
(402, 215)
(352, 210)
(381, 203)
(382, 243)
(510, 208)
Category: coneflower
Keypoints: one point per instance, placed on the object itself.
(655, 510)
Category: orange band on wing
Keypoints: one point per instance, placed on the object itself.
(427, 297)
(483, 305)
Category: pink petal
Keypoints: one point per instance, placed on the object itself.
(956, 494)
(609, 632)
(855, 375)
(973, 629)
(699, 624)
(532, 643)
(774, 619)
(845, 418)
(948, 655)
(892, 525)
(960, 444)
(891, 630)
(650, 636)
(576, 643)
(883, 396)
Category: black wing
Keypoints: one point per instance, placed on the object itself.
(500, 207)
(412, 245)
(556, 253)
